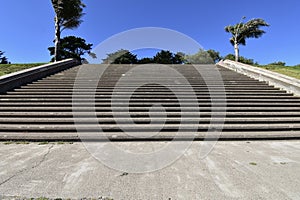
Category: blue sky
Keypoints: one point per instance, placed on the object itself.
(27, 27)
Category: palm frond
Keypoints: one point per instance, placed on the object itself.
(69, 12)
(250, 29)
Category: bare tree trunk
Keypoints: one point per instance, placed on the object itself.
(236, 51)
(57, 40)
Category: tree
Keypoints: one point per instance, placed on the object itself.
(241, 31)
(121, 57)
(145, 61)
(68, 15)
(3, 59)
(166, 57)
(279, 63)
(163, 57)
(214, 55)
(127, 58)
(201, 57)
(178, 58)
(72, 47)
(241, 59)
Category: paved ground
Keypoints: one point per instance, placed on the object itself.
(233, 170)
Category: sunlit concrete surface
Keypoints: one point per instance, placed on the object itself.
(233, 170)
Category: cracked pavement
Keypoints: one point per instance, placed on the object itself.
(26, 168)
(233, 170)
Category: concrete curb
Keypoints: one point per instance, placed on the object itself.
(75, 137)
(14, 80)
(289, 84)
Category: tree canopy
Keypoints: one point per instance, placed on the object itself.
(72, 47)
(201, 57)
(146, 61)
(166, 57)
(241, 59)
(68, 16)
(3, 59)
(121, 56)
(242, 31)
(125, 57)
(215, 56)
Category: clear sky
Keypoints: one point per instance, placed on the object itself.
(27, 26)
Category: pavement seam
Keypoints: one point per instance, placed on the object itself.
(27, 169)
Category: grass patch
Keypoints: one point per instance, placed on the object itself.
(63, 142)
(43, 143)
(15, 142)
(292, 71)
(45, 198)
(38, 143)
(124, 174)
(8, 142)
(253, 163)
(22, 142)
(42, 198)
(10, 68)
(60, 142)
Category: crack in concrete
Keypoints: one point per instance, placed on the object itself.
(43, 159)
(26, 169)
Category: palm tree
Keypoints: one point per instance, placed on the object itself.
(68, 15)
(241, 31)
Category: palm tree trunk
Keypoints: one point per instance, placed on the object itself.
(57, 40)
(236, 51)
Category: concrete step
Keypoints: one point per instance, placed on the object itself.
(268, 101)
(195, 87)
(144, 127)
(145, 97)
(152, 120)
(144, 109)
(164, 136)
(229, 114)
(132, 82)
(149, 104)
(154, 93)
(154, 90)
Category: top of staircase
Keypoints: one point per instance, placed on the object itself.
(281, 81)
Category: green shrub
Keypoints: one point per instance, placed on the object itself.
(241, 59)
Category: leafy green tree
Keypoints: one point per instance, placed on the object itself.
(163, 57)
(120, 57)
(242, 31)
(3, 59)
(72, 47)
(214, 55)
(166, 57)
(201, 57)
(241, 59)
(68, 16)
(127, 58)
(145, 61)
(279, 63)
(178, 58)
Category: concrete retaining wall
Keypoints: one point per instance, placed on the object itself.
(14, 80)
(291, 85)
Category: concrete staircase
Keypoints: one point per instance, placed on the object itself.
(43, 109)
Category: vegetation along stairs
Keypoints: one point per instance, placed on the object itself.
(42, 109)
